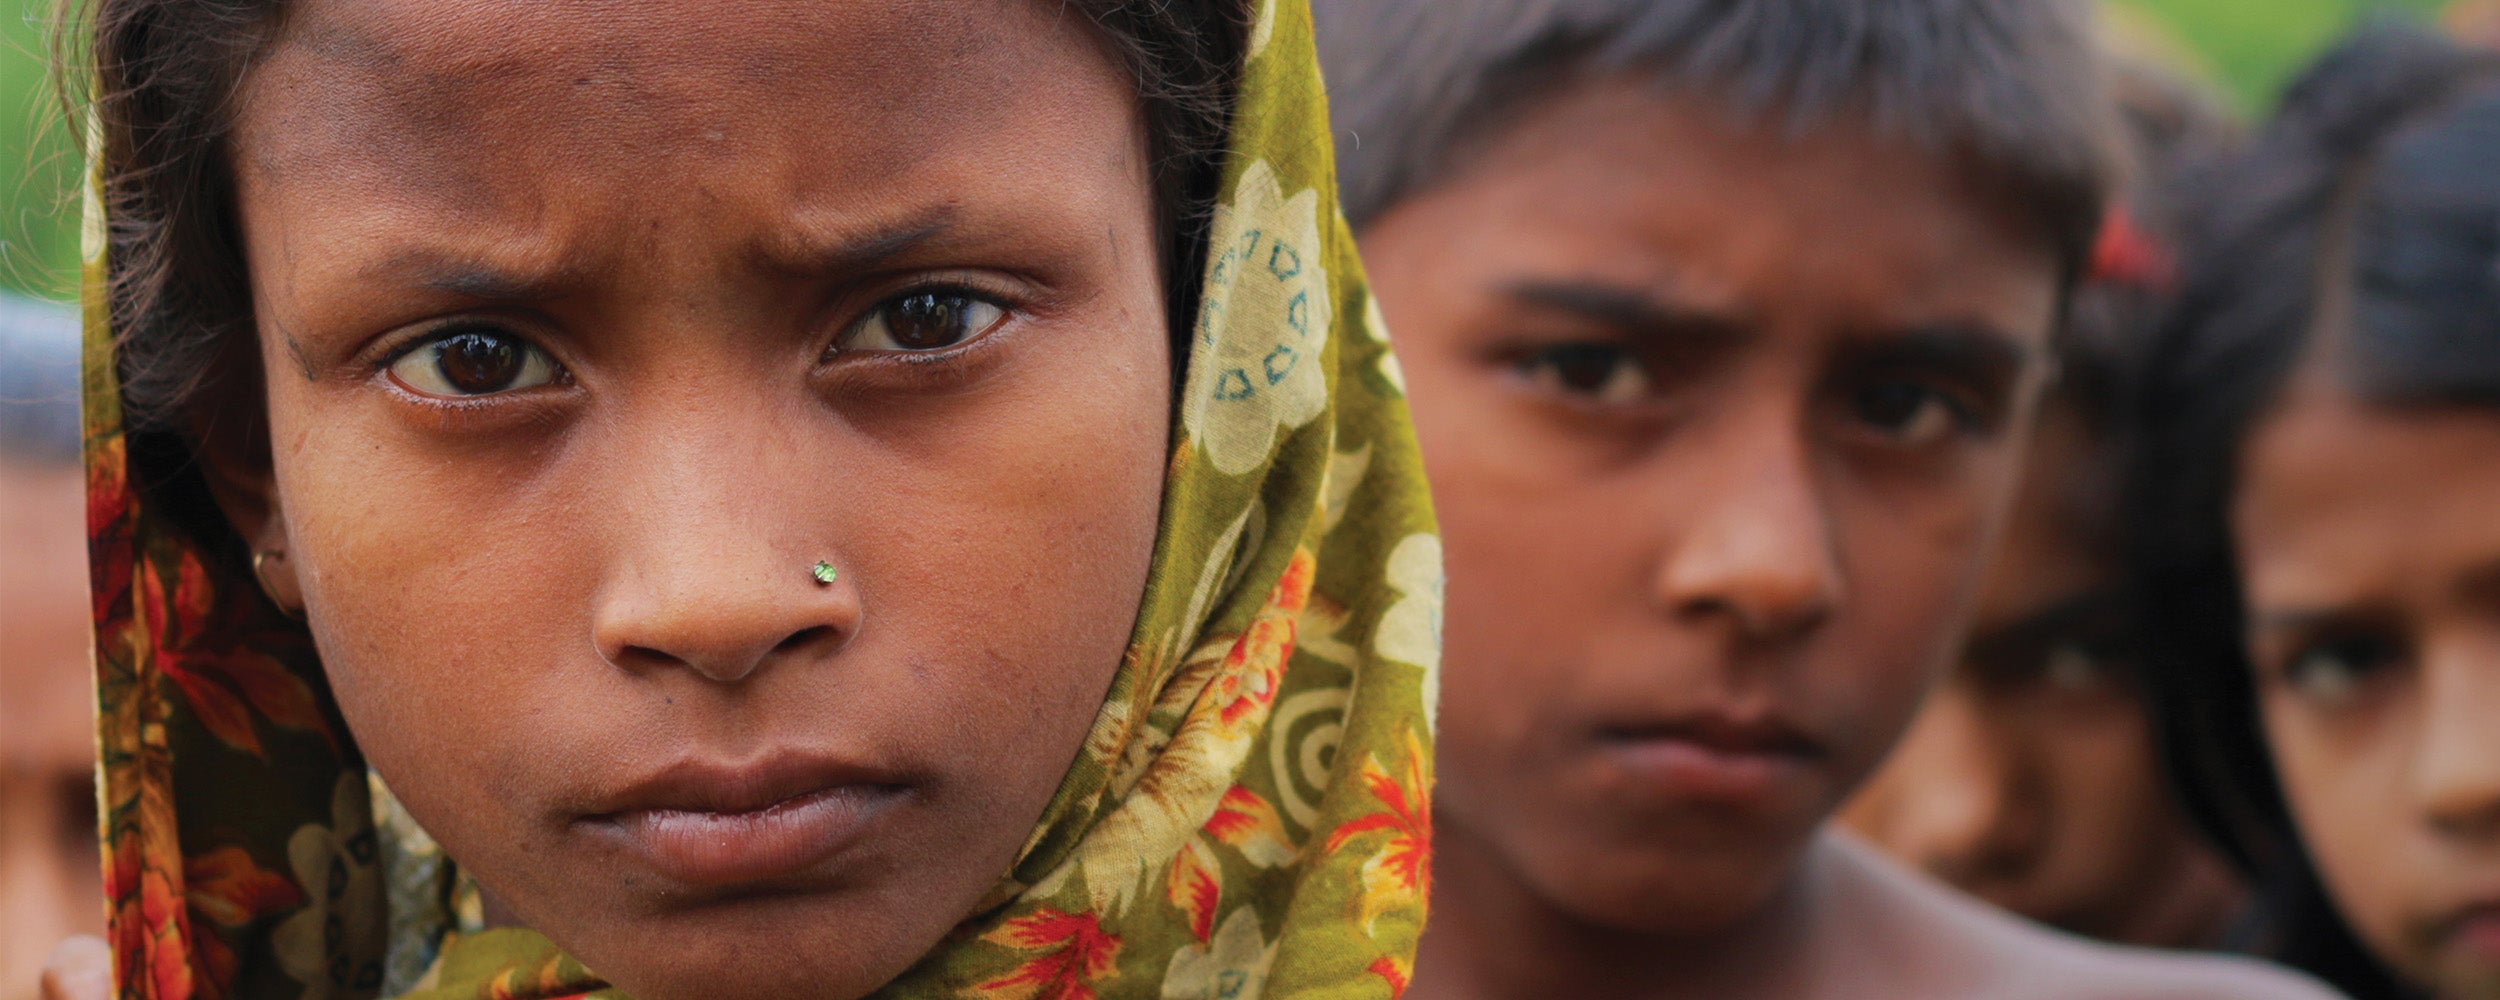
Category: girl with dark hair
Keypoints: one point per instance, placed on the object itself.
(2320, 560)
(745, 499)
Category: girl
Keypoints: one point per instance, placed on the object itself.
(751, 499)
(2320, 552)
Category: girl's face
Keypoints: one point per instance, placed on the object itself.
(2030, 779)
(590, 330)
(2372, 568)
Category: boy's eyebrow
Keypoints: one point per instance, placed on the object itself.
(1976, 351)
(1628, 309)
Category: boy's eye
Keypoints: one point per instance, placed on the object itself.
(474, 363)
(2330, 671)
(926, 320)
(1906, 413)
(1597, 373)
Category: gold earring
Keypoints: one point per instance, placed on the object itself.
(262, 578)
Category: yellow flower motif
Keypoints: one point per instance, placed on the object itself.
(1262, 31)
(337, 866)
(1233, 966)
(1379, 329)
(1262, 326)
(1410, 631)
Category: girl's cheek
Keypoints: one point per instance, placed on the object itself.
(2344, 774)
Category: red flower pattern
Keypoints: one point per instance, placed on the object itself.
(1081, 954)
(1403, 868)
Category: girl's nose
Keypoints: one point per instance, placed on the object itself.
(2457, 765)
(1963, 803)
(724, 561)
(725, 617)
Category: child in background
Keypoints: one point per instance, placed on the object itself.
(47, 775)
(2030, 778)
(1726, 324)
(2319, 551)
(778, 499)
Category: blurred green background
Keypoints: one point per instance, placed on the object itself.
(2246, 47)
(38, 162)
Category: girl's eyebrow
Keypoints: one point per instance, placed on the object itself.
(803, 250)
(465, 275)
(2481, 584)
(811, 250)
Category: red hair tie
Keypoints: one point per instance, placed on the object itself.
(2126, 255)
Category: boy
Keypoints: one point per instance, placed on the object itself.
(1725, 323)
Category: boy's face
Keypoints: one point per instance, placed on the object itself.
(50, 879)
(2371, 572)
(590, 330)
(1720, 425)
(2029, 779)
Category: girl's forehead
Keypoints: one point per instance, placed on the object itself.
(645, 78)
(2339, 496)
(559, 149)
(497, 110)
(761, 32)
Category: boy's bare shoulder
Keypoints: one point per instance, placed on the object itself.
(1979, 951)
(2146, 974)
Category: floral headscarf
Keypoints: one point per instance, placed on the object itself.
(1248, 816)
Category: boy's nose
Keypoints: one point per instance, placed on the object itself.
(1758, 553)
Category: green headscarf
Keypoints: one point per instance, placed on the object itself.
(1248, 816)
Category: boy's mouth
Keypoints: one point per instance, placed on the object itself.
(1713, 755)
(718, 825)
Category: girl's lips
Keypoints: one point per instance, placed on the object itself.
(724, 848)
(2476, 932)
(702, 823)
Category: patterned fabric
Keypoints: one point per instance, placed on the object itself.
(1248, 817)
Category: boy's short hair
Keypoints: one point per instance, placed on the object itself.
(2008, 88)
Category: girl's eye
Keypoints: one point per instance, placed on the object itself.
(1596, 373)
(474, 363)
(2073, 668)
(1906, 413)
(927, 320)
(2330, 671)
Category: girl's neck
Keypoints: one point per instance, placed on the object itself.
(1493, 936)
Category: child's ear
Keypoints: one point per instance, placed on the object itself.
(230, 435)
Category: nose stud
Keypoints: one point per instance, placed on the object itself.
(825, 573)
